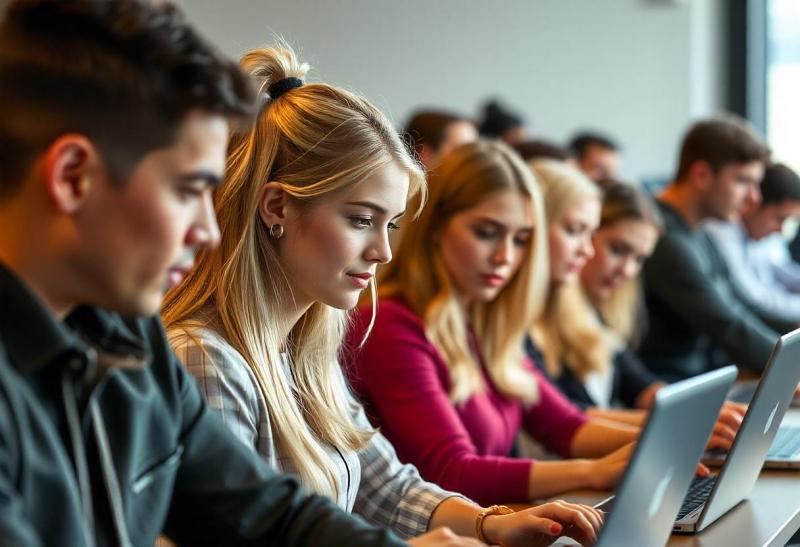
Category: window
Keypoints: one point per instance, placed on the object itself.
(783, 81)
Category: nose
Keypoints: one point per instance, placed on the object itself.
(586, 249)
(630, 268)
(503, 252)
(379, 250)
(205, 230)
(754, 196)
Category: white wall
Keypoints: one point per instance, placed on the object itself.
(640, 69)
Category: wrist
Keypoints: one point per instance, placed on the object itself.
(586, 473)
(488, 525)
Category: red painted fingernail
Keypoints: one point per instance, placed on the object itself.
(555, 528)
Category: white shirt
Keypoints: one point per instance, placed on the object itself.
(762, 271)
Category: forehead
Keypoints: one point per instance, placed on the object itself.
(753, 170)
(584, 210)
(200, 143)
(508, 207)
(387, 187)
(636, 233)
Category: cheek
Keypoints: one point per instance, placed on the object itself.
(461, 253)
(560, 249)
(326, 244)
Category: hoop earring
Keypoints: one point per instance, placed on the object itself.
(276, 231)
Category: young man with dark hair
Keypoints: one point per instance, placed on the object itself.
(756, 252)
(113, 129)
(696, 321)
(596, 155)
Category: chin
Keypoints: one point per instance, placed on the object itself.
(343, 301)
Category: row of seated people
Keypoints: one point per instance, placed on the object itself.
(492, 262)
(490, 305)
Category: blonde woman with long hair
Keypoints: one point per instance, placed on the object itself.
(443, 371)
(311, 193)
(599, 236)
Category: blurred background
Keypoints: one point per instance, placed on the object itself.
(637, 70)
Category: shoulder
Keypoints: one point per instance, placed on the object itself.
(394, 320)
(211, 358)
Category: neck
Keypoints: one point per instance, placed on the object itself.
(746, 225)
(680, 198)
(27, 257)
(291, 319)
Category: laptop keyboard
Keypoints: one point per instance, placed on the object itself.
(697, 495)
(786, 443)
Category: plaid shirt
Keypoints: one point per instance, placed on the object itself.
(371, 482)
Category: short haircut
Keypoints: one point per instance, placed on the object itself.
(719, 142)
(497, 120)
(429, 128)
(123, 73)
(780, 184)
(540, 149)
(580, 143)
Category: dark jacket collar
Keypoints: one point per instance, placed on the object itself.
(35, 338)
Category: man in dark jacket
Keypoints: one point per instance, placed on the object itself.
(113, 127)
(696, 321)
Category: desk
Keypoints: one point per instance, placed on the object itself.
(768, 518)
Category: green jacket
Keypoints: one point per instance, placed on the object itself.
(105, 440)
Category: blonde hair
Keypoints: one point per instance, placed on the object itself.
(311, 140)
(466, 176)
(568, 331)
(623, 310)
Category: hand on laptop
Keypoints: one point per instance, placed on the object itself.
(727, 426)
(542, 524)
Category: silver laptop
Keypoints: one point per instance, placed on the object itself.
(710, 498)
(660, 470)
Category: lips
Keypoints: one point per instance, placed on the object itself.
(493, 280)
(360, 280)
(177, 274)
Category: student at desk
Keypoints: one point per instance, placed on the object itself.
(443, 372)
(583, 339)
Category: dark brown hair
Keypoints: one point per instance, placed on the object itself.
(719, 142)
(122, 73)
(429, 128)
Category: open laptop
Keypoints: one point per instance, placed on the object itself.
(778, 382)
(711, 497)
(660, 470)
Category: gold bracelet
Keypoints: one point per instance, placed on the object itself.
(489, 511)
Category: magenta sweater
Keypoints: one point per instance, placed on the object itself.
(403, 382)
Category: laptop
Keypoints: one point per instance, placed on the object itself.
(660, 470)
(777, 383)
(711, 497)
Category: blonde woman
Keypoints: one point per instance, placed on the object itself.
(312, 191)
(582, 340)
(443, 371)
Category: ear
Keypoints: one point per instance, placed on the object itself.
(70, 163)
(426, 154)
(700, 175)
(273, 203)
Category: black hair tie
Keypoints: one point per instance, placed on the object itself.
(282, 86)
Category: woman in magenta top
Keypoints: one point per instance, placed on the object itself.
(443, 372)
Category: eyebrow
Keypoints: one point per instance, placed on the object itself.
(211, 178)
(502, 226)
(375, 207)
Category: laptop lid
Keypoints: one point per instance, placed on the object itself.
(764, 415)
(665, 460)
